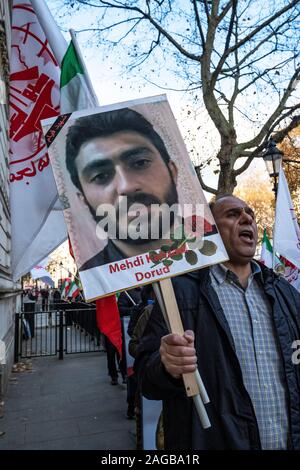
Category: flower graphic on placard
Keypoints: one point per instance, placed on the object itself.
(186, 241)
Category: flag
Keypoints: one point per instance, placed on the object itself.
(71, 249)
(281, 265)
(64, 290)
(291, 273)
(40, 272)
(286, 228)
(37, 229)
(73, 290)
(37, 49)
(73, 85)
(266, 255)
(108, 320)
(76, 89)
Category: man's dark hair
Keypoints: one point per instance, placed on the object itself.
(87, 128)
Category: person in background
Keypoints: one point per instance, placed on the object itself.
(29, 300)
(137, 324)
(125, 303)
(45, 298)
(56, 297)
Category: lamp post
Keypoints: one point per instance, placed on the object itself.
(61, 272)
(273, 159)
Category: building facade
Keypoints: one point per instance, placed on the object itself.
(9, 291)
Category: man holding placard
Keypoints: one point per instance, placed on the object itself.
(241, 324)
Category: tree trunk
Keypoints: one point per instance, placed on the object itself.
(226, 157)
(227, 181)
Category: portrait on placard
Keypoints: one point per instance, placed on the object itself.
(132, 202)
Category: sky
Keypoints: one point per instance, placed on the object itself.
(112, 86)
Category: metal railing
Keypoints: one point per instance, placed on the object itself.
(68, 330)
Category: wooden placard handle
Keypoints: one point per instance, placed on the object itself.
(175, 324)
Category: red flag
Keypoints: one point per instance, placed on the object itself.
(70, 248)
(108, 320)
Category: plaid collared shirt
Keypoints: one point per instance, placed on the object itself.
(249, 315)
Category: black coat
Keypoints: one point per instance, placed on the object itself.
(125, 305)
(231, 412)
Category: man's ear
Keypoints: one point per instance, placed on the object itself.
(82, 199)
(173, 169)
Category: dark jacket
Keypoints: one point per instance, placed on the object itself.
(139, 330)
(231, 412)
(125, 305)
(135, 314)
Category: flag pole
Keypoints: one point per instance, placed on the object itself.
(192, 381)
(130, 298)
(274, 252)
(86, 74)
(54, 35)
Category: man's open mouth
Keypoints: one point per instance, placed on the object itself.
(246, 235)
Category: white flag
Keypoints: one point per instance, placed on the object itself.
(34, 95)
(40, 272)
(286, 229)
(38, 225)
(291, 273)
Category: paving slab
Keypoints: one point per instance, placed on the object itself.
(66, 405)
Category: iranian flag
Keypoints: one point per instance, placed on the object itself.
(65, 287)
(282, 265)
(74, 87)
(37, 51)
(266, 255)
(73, 290)
(76, 90)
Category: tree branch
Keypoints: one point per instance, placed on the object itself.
(198, 22)
(255, 49)
(236, 86)
(255, 154)
(210, 101)
(206, 10)
(230, 29)
(203, 185)
(250, 36)
(147, 16)
(264, 130)
(277, 137)
(225, 11)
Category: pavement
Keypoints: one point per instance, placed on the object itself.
(67, 404)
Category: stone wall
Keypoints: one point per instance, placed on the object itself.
(8, 290)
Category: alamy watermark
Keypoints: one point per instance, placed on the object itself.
(296, 354)
(149, 222)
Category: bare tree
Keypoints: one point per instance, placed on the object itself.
(240, 56)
